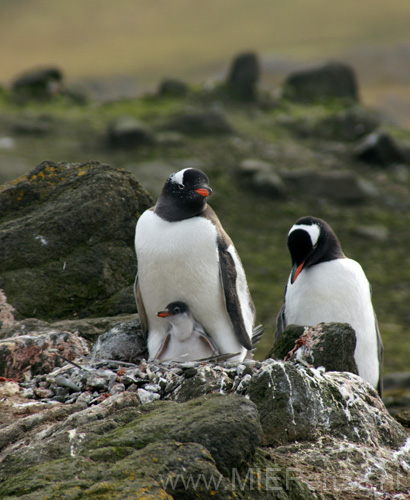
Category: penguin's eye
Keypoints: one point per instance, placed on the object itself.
(181, 186)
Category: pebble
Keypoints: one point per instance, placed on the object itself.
(147, 396)
(91, 384)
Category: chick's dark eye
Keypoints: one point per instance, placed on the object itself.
(177, 310)
(181, 186)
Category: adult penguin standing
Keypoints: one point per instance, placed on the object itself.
(185, 255)
(325, 286)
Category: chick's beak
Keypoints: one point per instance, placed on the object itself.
(163, 314)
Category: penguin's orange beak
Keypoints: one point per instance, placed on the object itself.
(206, 191)
(163, 314)
(296, 270)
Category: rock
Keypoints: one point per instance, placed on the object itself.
(342, 186)
(199, 123)
(269, 183)
(198, 382)
(6, 312)
(243, 77)
(348, 125)
(377, 233)
(118, 437)
(262, 176)
(314, 424)
(171, 87)
(379, 148)
(302, 404)
(124, 342)
(128, 132)
(404, 418)
(333, 80)
(30, 126)
(286, 342)
(67, 232)
(27, 355)
(41, 84)
(252, 166)
(327, 345)
(396, 381)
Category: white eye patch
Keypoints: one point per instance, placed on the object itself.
(178, 177)
(312, 230)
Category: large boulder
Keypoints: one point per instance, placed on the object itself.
(380, 148)
(327, 345)
(342, 186)
(127, 132)
(199, 123)
(66, 233)
(243, 77)
(333, 80)
(39, 83)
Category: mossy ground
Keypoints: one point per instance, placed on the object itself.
(258, 224)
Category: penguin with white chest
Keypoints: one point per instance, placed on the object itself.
(325, 286)
(185, 255)
(186, 339)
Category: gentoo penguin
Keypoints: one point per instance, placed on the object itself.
(185, 340)
(326, 286)
(185, 255)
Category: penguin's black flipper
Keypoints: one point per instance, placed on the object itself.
(228, 276)
(280, 324)
(140, 307)
(280, 319)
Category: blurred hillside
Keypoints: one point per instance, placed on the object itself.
(123, 48)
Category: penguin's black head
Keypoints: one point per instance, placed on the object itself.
(173, 309)
(312, 241)
(184, 195)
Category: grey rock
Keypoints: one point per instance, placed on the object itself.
(147, 396)
(333, 80)
(40, 84)
(375, 233)
(128, 132)
(199, 123)
(124, 342)
(399, 380)
(204, 380)
(261, 175)
(269, 183)
(348, 125)
(26, 355)
(170, 87)
(379, 148)
(67, 232)
(243, 77)
(302, 404)
(327, 345)
(252, 166)
(341, 185)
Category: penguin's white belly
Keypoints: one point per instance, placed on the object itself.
(337, 291)
(191, 349)
(178, 261)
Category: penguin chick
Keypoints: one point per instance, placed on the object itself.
(325, 286)
(186, 340)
